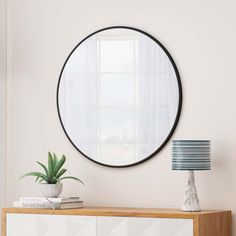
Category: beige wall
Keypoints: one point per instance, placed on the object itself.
(201, 37)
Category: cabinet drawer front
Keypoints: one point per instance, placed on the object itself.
(50, 225)
(133, 226)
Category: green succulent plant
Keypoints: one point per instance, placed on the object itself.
(53, 173)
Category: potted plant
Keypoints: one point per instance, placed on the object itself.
(53, 174)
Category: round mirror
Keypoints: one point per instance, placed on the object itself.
(119, 96)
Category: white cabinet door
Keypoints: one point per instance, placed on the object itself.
(21, 225)
(50, 225)
(65, 225)
(80, 226)
(132, 226)
(111, 226)
(175, 227)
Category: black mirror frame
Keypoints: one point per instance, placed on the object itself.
(179, 105)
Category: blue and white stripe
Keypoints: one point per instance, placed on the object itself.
(191, 155)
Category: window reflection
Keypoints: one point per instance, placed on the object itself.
(118, 97)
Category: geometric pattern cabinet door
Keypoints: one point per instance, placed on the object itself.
(111, 226)
(80, 225)
(50, 225)
(139, 226)
(175, 227)
(47, 225)
(21, 225)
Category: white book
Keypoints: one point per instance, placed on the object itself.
(45, 200)
(49, 205)
(19, 204)
(71, 205)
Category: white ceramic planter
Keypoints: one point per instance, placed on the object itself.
(51, 190)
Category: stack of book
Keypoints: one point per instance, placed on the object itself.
(49, 203)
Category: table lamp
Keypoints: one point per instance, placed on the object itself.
(191, 155)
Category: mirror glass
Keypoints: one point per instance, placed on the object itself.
(119, 96)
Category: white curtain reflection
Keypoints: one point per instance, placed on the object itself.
(80, 97)
(157, 97)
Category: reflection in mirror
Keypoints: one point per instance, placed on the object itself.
(119, 97)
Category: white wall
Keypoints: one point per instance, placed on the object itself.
(3, 71)
(201, 37)
(2, 97)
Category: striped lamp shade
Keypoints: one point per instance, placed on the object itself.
(191, 155)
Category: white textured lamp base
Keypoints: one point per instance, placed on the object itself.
(190, 201)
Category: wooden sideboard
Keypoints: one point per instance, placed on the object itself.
(105, 221)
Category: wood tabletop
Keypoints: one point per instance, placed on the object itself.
(117, 211)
